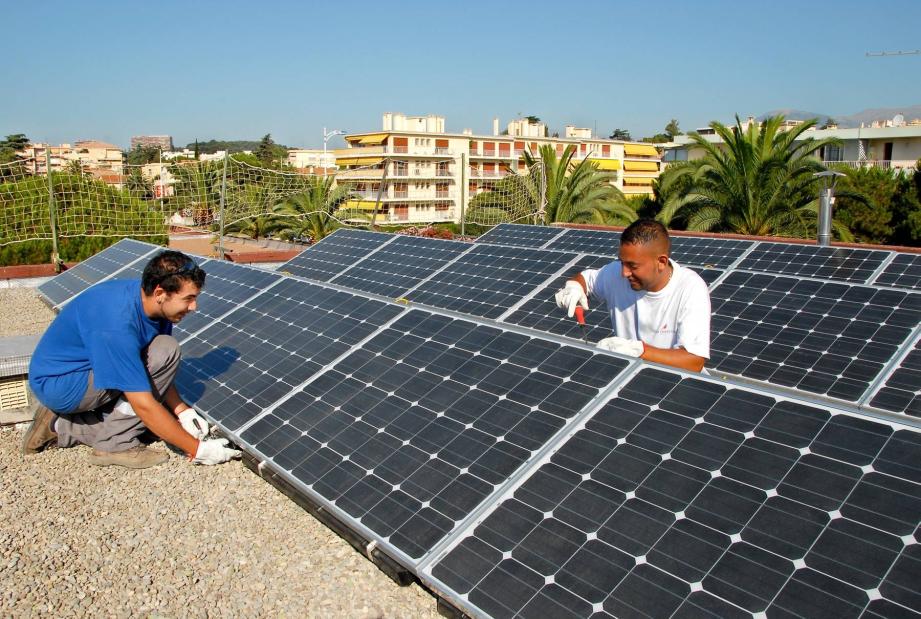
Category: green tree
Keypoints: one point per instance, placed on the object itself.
(196, 151)
(74, 167)
(758, 181)
(11, 164)
(620, 134)
(265, 152)
(143, 154)
(315, 211)
(574, 192)
(672, 130)
(139, 185)
(658, 138)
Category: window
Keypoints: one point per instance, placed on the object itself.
(833, 153)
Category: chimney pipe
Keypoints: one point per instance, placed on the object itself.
(495, 126)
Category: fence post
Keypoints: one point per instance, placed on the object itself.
(55, 255)
(463, 190)
(380, 191)
(220, 242)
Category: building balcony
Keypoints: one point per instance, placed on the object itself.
(369, 173)
(493, 155)
(886, 164)
(487, 174)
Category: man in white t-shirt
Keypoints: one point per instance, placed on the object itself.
(660, 310)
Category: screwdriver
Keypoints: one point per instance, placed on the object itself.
(580, 318)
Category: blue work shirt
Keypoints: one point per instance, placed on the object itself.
(103, 330)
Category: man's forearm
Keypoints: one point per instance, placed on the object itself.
(173, 402)
(675, 357)
(161, 422)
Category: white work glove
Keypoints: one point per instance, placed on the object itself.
(193, 423)
(214, 451)
(623, 346)
(571, 296)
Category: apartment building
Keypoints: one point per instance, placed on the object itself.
(422, 173)
(887, 145)
(92, 155)
(163, 142)
(311, 160)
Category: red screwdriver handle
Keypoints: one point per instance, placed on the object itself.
(580, 315)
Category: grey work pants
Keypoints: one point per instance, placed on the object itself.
(97, 425)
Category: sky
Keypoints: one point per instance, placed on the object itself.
(239, 69)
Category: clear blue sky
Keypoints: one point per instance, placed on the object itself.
(239, 69)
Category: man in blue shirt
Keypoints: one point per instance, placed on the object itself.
(104, 371)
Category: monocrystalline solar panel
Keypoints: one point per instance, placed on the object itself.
(334, 254)
(707, 251)
(903, 272)
(520, 235)
(81, 276)
(901, 392)
(488, 279)
(826, 338)
(839, 263)
(400, 265)
(411, 432)
(264, 349)
(227, 285)
(601, 242)
(684, 497)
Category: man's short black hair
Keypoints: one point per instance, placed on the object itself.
(169, 269)
(645, 231)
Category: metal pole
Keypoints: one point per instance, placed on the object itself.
(380, 191)
(825, 203)
(55, 255)
(220, 243)
(463, 191)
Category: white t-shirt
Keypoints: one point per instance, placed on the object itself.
(676, 316)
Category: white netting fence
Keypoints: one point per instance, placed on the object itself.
(237, 198)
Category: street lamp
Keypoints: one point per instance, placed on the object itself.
(826, 200)
(326, 137)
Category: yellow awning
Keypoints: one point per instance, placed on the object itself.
(358, 161)
(358, 205)
(640, 150)
(373, 139)
(606, 164)
(637, 180)
(641, 166)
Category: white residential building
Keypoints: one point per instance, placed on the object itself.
(424, 174)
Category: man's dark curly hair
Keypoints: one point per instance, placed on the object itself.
(645, 231)
(169, 269)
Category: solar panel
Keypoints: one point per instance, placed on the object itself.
(489, 279)
(227, 285)
(901, 392)
(335, 253)
(78, 278)
(826, 338)
(264, 349)
(400, 265)
(682, 497)
(707, 251)
(520, 235)
(411, 432)
(903, 272)
(602, 242)
(839, 263)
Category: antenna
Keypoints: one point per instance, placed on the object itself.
(910, 52)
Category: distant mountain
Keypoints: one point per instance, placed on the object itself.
(854, 120)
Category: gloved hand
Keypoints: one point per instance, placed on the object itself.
(214, 451)
(623, 346)
(193, 423)
(571, 296)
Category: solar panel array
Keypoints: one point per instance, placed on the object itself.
(901, 392)
(839, 263)
(519, 473)
(335, 253)
(903, 272)
(75, 280)
(681, 497)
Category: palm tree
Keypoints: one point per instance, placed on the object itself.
(759, 181)
(572, 192)
(315, 211)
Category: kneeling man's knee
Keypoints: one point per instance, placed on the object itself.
(163, 351)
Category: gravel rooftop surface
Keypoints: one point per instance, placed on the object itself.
(175, 540)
